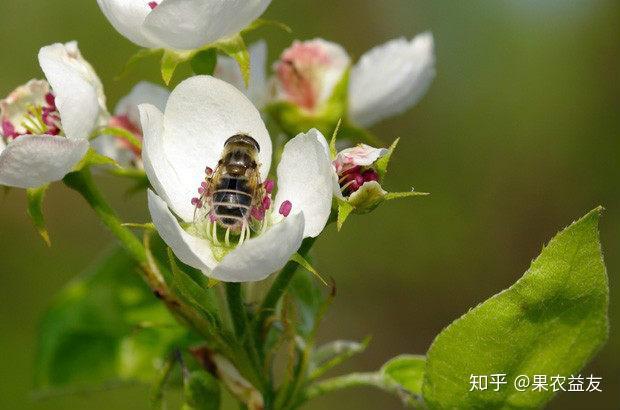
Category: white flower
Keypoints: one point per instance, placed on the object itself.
(386, 81)
(46, 124)
(228, 70)
(180, 24)
(127, 117)
(391, 78)
(201, 114)
(308, 72)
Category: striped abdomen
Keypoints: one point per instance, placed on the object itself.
(232, 201)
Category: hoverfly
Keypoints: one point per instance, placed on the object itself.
(233, 192)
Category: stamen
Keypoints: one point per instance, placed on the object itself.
(269, 185)
(242, 234)
(266, 202)
(285, 208)
(215, 240)
(153, 4)
(209, 171)
(227, 237)
(201, 191)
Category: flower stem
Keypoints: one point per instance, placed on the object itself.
(240, 322)
(82, 182)
(279, 287)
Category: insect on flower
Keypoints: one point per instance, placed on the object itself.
(233, 196)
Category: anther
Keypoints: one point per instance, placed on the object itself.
(266, 202)
(269, 185)
(153, 4)
(285, 208)
(209, 171)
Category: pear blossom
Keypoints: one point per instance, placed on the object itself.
(127, 117)
(228, 70)
(46, 123)
(182, 147)
(180, 24)
(308, 72)
(357, 176)
(386, 81)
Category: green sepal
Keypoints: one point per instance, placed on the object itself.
(333, 151)
(382, 163)
(170, 60)
(204, 62)
(93, 158)
(35, 211)
(301, 261)
(235, 47)
(201, 391)
(259, 23)
(294, 120)
(396, 195)
(344, 210)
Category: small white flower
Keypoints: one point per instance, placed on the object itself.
(387, 80)
(200, 116)
(180, 24)
(228, 70)
(46, 124)
(127, 117)
(357, 175)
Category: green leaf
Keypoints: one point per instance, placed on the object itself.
(333, 354)
(200, 297)
(407, 371)
(551, 322)
(170, 60)
(383, 162)
(201, 392)
(259, 23)
(344, 210)
(309, 300)
(235, 47)
(301, 261)
(204, 61)
(105, 328)
(140, 55)
(35, 210)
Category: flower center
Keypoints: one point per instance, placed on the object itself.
(30, 110)
(351, 179)
(228, 212)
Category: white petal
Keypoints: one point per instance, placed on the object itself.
(142, 93)
(190, 24)
(391, 78)
(127, 17)
(33, 160)
(78, 90)
(190, 249)
(2, 144)
(201, 114)
(306, 179)
(259, 257)
(227, 69)
(160, 173)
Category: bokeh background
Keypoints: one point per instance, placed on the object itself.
(518, 136)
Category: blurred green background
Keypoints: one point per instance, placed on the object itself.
(518, 136)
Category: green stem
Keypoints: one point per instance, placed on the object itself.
(279, 287)
(82, 182)
(347, 381)
(239, 316)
